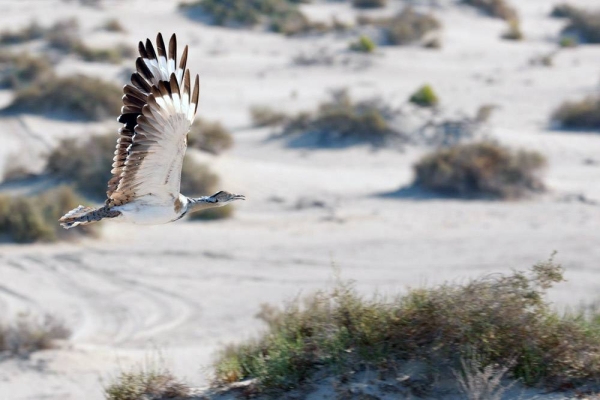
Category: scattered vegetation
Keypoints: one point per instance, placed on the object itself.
(408, 27)
(504, 319)
(581, 114)
(583, 25)
(343, 121)
(75, 96)
(564, 10)
(266, 116)
(514, 31)
(30, 32)
(481, 170)
(213, 214)
(495, 8)
(197, 179)
(27, 219)
(369, 3)
(277, 15)
(28, 334)
(568, 42)
(113, 25)
(21, 70)
(363, 44)
(211, 137)
(147, 385)
(424, 97)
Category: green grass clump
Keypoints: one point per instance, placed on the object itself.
(481, 170)
(21, 70)
(495, 8)
(30, 32)
(502, 318)
(343, 121)
(211, 137)
(581, 114)
(369, 3)
(147, 385)
(408, 27)
(80, 96)
(28, 219)
(28, 334)
(425, 97)
(277, 15)
(266, 116)
(364, 44)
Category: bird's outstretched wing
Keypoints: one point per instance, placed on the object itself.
(158, 110)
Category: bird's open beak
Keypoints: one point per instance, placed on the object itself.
(239, 197)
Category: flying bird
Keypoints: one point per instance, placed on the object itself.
(159, 107)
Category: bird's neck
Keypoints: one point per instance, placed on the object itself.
(200, 203)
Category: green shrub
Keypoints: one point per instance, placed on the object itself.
(266, 116)
(405, 28)
(494, 8)
(363, 45)
(75, 96)
(27, 219)
(197, 179)
(582, 114)
(21, 70)
(31, 32)
(481, 170)
(342, 121)
(502, 318)
(211, 137)
(29, 334)
(147, 385)
(278, 15)
(568, 42)
(369, 3)
(514, 31)
(424, 97)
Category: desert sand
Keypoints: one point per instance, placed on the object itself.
(181, 291)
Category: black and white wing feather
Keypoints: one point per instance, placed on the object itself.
(159, 108)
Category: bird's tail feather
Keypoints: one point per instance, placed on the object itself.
(79, 216)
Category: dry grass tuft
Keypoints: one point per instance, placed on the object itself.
(213, 214)
(113, 25)
(481, 170)
(408, 27)
(28, 219)
(30, 32)
(266, 116)
(211, 137)
(147, 385)
(582, 114)
(478, 382)
(502, 318)
(495, 8)
(80, 96)
(18, 71)
(29, 334)
(197, 179)
(514, 31)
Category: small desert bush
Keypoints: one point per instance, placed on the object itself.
(369, 3)
(425, 96)
(197, 179)
(79, 96)
(514, 31)
(30, 32)
(28, 219)
(211, 137)
(21, 70)
(342, 121)
(277, 15)
(583, 25)
(363, 44)
(28, 334)
(495, 8)
(481, 170)
(581, 114)
(408, 27)
(267, 116)
(113, 25)
(564, 10)
(502, 318)
(153, 384)
(213, 214)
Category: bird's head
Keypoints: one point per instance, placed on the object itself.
(222, 198)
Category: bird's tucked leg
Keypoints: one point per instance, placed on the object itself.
(86, 215)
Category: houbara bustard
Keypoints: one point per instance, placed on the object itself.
(158, 110)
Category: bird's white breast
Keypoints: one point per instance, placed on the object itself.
(147, 212)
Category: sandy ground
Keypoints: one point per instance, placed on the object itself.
(183, 290)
